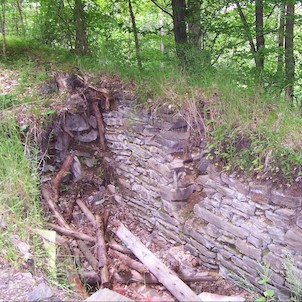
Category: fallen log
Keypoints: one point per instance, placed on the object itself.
(166, 276)
(56, 182)
(117, 247)
(86, 211)
(130, 262)
(187, 276)
(101, 251)
(53, 207)
(72, 233)
(88, 255)
(134, 276)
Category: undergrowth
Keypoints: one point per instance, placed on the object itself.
(19, 203)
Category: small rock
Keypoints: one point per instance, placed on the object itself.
(216, 298)
(40, 292)
(88, 137)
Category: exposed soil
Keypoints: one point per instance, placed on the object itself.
(98, 189)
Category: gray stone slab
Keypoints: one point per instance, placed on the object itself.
(105, 295)
(219, 222)
(247, 249)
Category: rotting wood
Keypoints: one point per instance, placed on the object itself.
(131, 262)
(53, 207)
(72, 233)
(102, 253)
(86, 211)
(100, 122)
(60, 175)
(134, 276)
(120, 248)
(197, 276)
(89, 256)
(166, 276)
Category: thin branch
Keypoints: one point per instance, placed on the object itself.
(161, 8)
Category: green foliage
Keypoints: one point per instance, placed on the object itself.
(293, 277)
(268, 294)
(19, 189)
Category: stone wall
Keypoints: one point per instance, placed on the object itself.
(231, 225)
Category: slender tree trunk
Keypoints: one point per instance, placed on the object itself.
(2, 24)
(20, 12)
(247, 31)
(280, 66)
(134, 28)
(289, 50)
(180, 29)
(193, 18)
(259, 36)
(81, 43)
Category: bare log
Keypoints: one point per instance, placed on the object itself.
(101, 251)
(70, 232)
(89, 256)
(131, 262)
(47, 196)
(86, 211)
(120, 248)
(134, 276)
(166, 276)
(100, 123)
(187, 276)
(59, 177)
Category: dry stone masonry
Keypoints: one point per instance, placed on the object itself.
(229, 224)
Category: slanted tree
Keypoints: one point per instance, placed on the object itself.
(134, 28)
(259, 35)
(289, 50)
(180, 29)
(2, 25)
(81, 43)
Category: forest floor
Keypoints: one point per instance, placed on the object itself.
(97, 189)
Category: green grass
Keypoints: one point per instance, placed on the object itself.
(19, 203)
(239, 110)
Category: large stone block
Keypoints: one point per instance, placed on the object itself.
(180, 194)
(219, 222)
(274, 262)
(260, 193)
(286, 199)
(160, 168)
(248, 250)
(293, 237)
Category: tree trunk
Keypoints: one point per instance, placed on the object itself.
(134, 28)
(247, 31)
(259, 36)
(81, 44)
(19, 8)
(180, 29)
(193, 18)
(2, 24)
(289, 50)
(280, 66)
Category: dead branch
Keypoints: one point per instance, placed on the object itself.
(86, 211)
(120, 248)
(106, 216)
(166, 276)
(71, 233)
(89, 256)
(101, 251)
(197, 276)
(134, 276)
(47, 196)
(59, 177)
(100, 123)
(130, 262)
